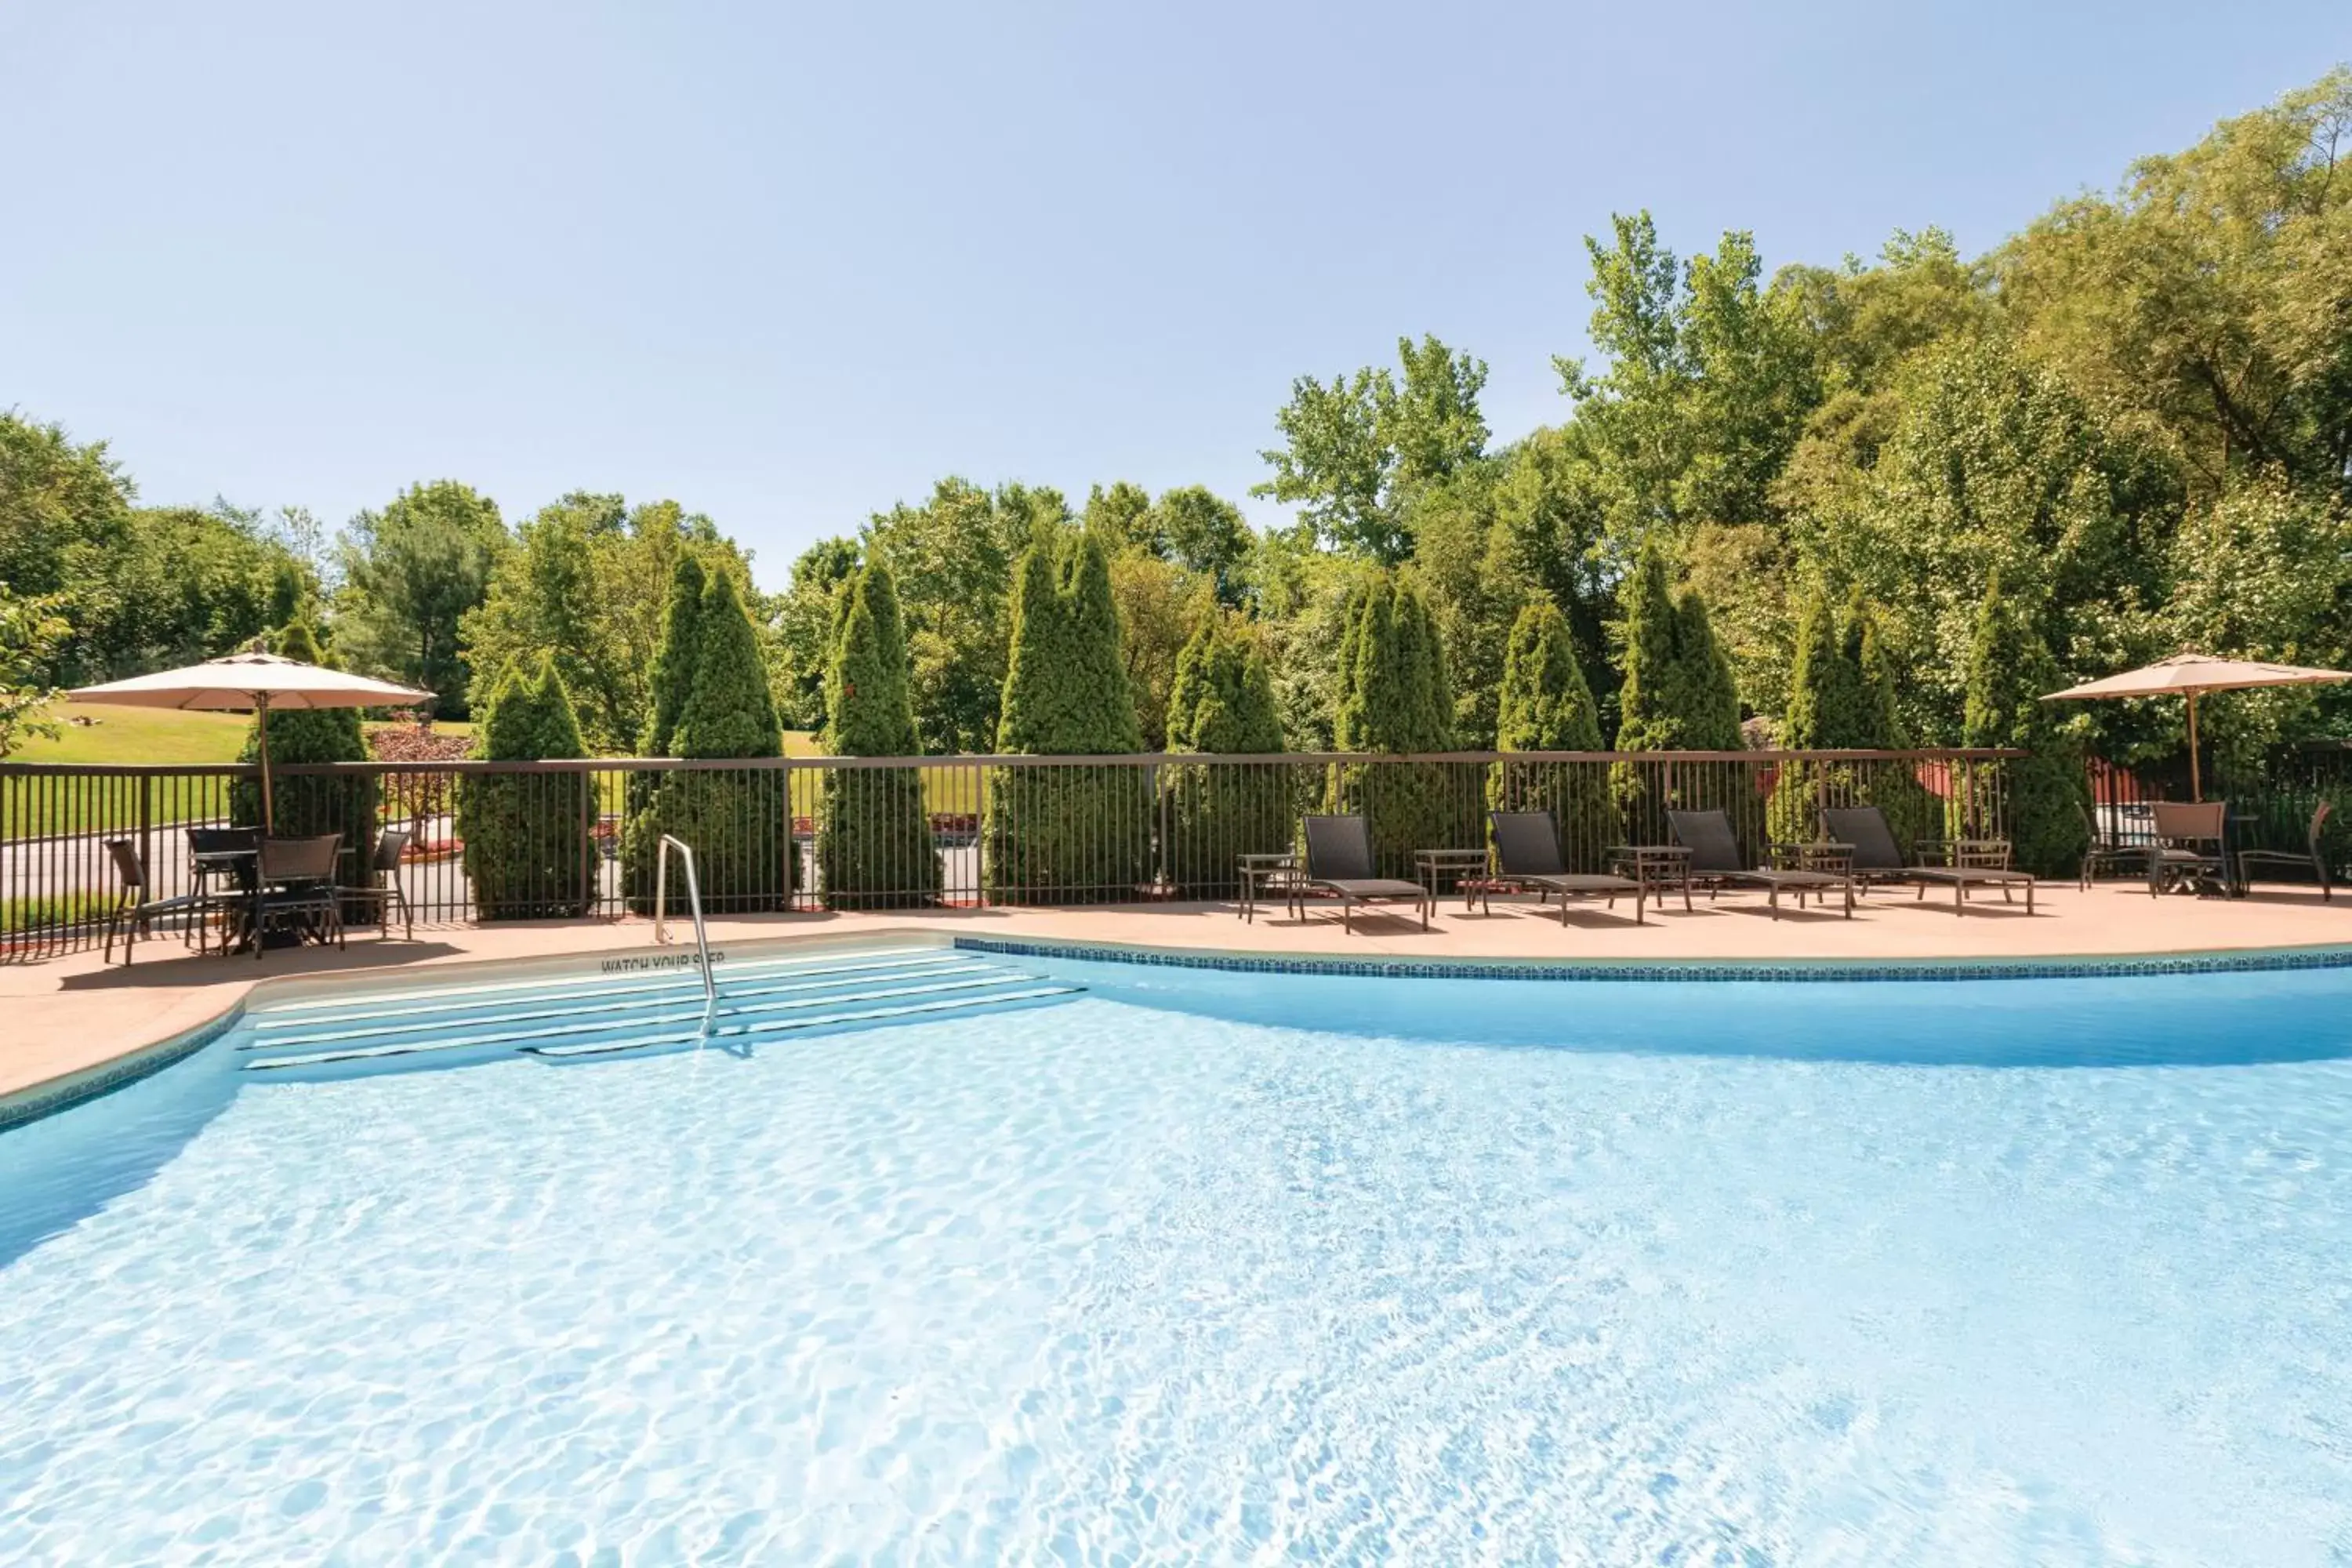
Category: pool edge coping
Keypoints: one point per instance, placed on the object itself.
(36, 1101)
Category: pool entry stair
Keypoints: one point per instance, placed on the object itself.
(590, 1016)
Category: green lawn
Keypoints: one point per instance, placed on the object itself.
(156, 736)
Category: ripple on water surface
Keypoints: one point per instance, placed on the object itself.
(1110, 1282)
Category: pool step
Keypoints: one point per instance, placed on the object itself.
(593, 1015)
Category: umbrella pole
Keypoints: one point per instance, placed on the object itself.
(268, 815)
(2195, 784)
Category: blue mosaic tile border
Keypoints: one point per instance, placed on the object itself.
(1666, 969)
(47, 1100)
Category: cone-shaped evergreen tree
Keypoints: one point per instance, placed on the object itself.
(305, 806)
(1679, 696)
(1842, 697)
(1546, 706)
(1222, 700)
(1646, 718)
(672, 677)
(2009, 667)
(530, 841)
(874, 843)
(1060, 834)
(738, 821)
(1394, 698)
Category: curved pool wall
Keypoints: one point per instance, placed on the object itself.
(31, 1104)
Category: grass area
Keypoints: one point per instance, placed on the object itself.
(157, 736)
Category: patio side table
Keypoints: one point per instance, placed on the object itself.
(1429, 865)
(1262, 872)
(1656, 867)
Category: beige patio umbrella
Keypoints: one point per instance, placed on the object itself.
(2187, 675)
(252, 683)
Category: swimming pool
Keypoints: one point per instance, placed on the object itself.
(1193, 1265)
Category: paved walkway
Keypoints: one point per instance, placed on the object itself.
(69, 1015)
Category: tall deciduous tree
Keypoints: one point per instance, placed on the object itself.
(1353, 449)
(411, 574)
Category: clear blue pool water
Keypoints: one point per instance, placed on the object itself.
(1224, 1267)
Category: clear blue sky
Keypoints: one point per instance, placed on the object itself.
(790, 264)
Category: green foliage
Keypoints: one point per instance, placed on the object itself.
(1065, 835)
(1547, 707)
(953, 558)
(1679, 692)
(1352, 450)
(303, 807)
(589, 586)
(30, 630)
(2010, 670)
(531, 850)
(1395, 698)
(1224, 700)
(411, 574)
(738, 821)
(873, 838)
(1842, 699)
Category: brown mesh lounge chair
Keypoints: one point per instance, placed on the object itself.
(1878, 856)
(1527, 852)
(2314, 855)
(1340, 862)
(1715, 860)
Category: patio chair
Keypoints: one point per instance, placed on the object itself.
(1878, 856)
(2312, 854)
(133, 909)
(2187, 851)
(1714, 859)
(298, 888)
(221, 862)
(1340, 862)
(1527, 853)
(390, 845)
(2099, 857)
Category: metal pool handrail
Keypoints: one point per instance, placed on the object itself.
(694, 905)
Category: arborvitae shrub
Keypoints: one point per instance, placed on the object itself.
(1060, 834)
(2009, 668)
(1842, 697)
(1222, 700)
(531, 849)
(1394, 698)
(874, 846)
(738, 821)
(305, 807)
(1545, 706)
(1679, 695)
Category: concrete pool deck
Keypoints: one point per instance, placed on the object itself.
(68, 1016)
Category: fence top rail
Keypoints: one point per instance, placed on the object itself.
(1137, 759)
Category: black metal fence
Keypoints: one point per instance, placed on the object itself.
(575, 839)
(2271, 799)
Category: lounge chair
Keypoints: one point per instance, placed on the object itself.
(1527, 853)
(2101, 855)
(2312, 856)
(1878, 856)
(1340, 862)
(1715, 860)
